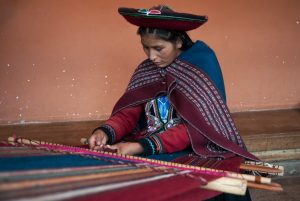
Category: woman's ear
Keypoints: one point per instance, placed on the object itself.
(178, 44)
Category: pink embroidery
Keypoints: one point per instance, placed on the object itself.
(149, 11)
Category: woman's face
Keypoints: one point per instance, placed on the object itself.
(160, 52)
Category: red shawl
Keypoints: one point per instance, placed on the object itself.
(197, 100)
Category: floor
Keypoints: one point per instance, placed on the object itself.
(291, 186)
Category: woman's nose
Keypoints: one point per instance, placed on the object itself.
(152, 55)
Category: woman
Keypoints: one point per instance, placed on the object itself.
(175, 98)
(180, 91)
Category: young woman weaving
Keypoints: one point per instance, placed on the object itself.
(175, 98)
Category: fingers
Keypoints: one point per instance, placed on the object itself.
(96, 143)
(107, 148)
(92, 141)
(100, 142)
(97, 140)
(113, 148)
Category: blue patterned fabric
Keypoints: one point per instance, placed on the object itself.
(160, 115)
(163, 107)
(203, 57)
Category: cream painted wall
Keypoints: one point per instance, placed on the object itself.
(66, 60)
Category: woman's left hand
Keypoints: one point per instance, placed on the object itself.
(128, 148)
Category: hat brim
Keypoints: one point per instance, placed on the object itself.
(167, 20)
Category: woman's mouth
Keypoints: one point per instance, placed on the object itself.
(159, 64)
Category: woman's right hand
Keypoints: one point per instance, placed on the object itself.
(98, 140)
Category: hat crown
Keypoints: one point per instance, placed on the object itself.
(162, 17)
(162, 8)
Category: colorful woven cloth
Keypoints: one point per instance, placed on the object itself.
(72, 173)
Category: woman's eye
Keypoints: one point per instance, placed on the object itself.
(158, 49)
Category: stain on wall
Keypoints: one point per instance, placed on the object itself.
(65, 60)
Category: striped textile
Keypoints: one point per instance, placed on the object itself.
(196, 99)
(31, 173)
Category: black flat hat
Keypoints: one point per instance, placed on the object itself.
(162, 19)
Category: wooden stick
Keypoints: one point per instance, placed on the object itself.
(252, 166)
(270, 187)
(228, 185)
(259, 168)
(252, 178)
(279, 168)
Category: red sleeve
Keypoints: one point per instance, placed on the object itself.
(122, 123)
(172, 140)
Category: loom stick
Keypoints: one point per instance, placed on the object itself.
(263, 164)
(228, 185)
(270, 187)
(206, 170)
(252, 166)
(259, 168)
(248, 165)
